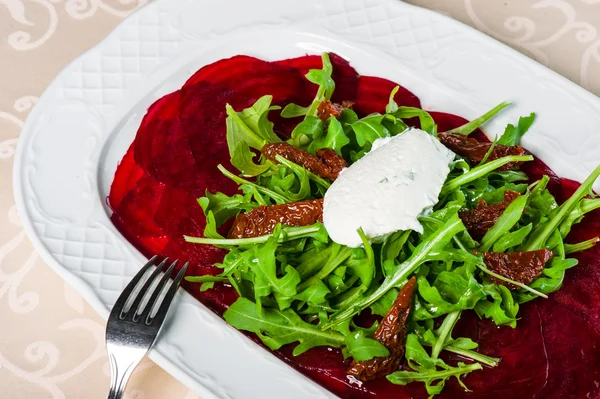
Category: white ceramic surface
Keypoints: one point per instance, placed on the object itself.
(82, 125)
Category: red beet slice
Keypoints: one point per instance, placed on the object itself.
(374, 93)
(126, 175)
(553, 353)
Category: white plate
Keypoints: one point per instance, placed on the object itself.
(82, 125)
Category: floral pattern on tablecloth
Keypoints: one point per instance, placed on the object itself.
(51, 341)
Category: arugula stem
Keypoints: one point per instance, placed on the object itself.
(435, 375)
(445, 330)
(312, 109)
(470, 127)
(202, 279)
(290, 234)
(277, 197)
(478, 357)
(538, 241)
(482, 170)
(488, 153)
(581, 246)
(507, 280)
(311, 175)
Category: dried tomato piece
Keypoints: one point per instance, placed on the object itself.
(391, 332)
(479, 220)
(475, 150)
(523, 267)
(326, 164)
(262, 220)
(328, 109)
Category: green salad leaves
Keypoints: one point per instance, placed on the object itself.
(297, 286)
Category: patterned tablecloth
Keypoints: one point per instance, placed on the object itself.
(51, 341)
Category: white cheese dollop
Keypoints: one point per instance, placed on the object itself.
(387, 189)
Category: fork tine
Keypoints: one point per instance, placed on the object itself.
(138, 314)
(166, 302)
(120, 303)
(142, 292)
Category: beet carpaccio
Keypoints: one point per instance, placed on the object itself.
(554, 350)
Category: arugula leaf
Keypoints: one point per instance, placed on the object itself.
(335, 138)
(461, 346)
(321, 77)
(496, 195)
(476, 123)
(316, 231)
(369, 129)
(584, 206)
(255, 117)
(542, 233)
(224, 207)
(362, 348)
(242, 160)
(480, 171)
(276, 328)
(391, 250)
(512, 135)
(277, 197)
(251, 125)
(427, 123)
(238, 131)
(503, 309)
(315, 294)
(449, 293)
(322, 183)
(509, 218)
(293, 110)
(210, 229)
(311, 128)
(384, 304)
(392, 106)
(433, 372)
(291, 181)
(338, 254)
(434, 243)
(512, 239)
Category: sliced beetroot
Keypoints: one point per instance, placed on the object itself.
(126, 176)
(374, 94)
(553, 352)
(160, 136)
(252, 78)
(344, 75)
(136, 210)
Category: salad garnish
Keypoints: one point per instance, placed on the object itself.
(490, 243)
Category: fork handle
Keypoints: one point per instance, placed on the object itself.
(120, 371)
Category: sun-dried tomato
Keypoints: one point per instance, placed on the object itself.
(391, 332)
(326, 164)
(328, 109)
(262, 220)
(475, 151)
(479, 220)
(522, 267)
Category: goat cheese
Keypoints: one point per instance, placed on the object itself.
(399, 180)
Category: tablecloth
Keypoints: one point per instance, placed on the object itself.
(51, 341)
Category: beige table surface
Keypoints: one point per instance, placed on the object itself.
(51, 341)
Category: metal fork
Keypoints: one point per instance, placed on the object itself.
(132, 329)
